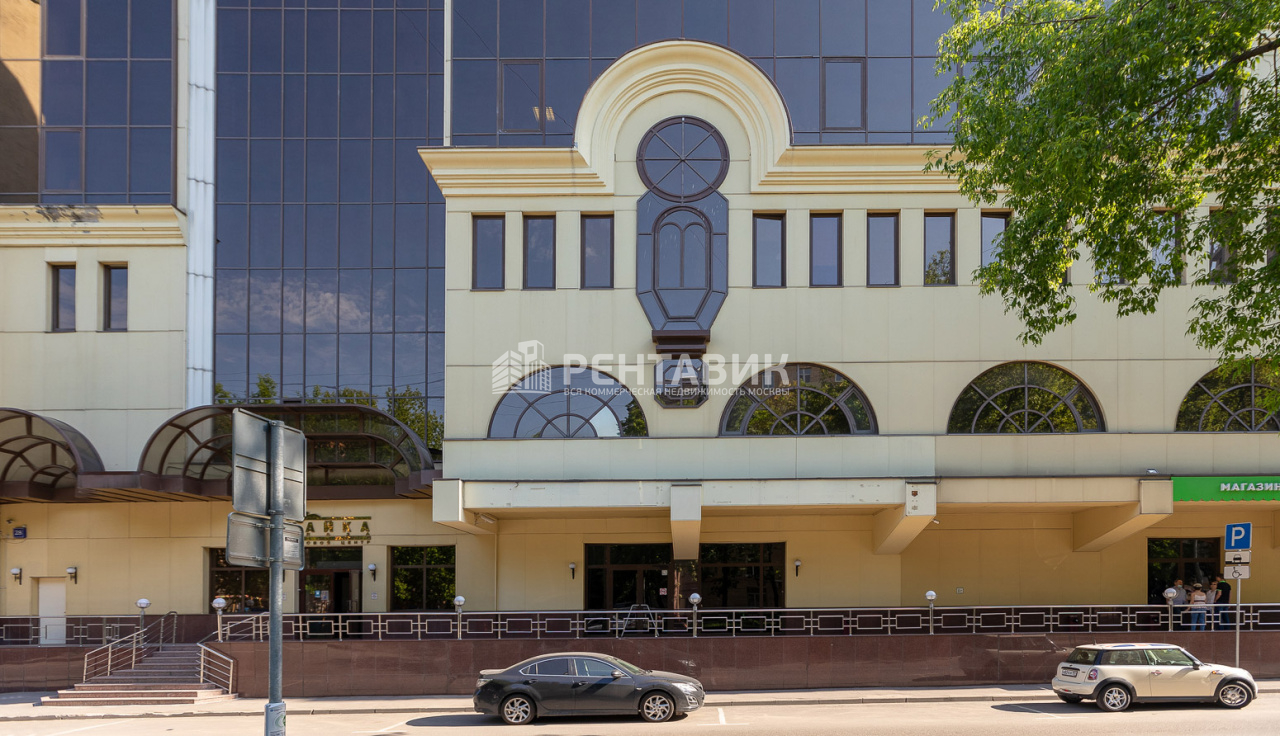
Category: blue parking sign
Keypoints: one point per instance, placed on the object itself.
(1239, 536)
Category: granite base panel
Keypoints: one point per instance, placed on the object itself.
(449, 667)
(34, 669)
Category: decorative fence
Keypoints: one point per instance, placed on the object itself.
(65, 630)
(643, 622)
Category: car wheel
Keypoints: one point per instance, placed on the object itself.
(1066, 698)
(1234, 695)
(1114, 698)
(657, 707)
(519, 709)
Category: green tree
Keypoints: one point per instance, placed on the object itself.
(1088, 118)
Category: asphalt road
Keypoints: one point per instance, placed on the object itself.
(978, 719)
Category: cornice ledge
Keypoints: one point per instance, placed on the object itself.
(485, 171)
(90, 225)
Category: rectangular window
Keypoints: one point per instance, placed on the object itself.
(245, 589)
(522, 108)
(1193, 560)
(993, 225)
(742, 575)
(115, 298)
(940, 250)
(882, 250)
(423, 578)
(842, 94)
(597, 251)
(1162, 253)
(64, 298)
(539, 252)
(488, 260)
(825, 250)
(770, 246)
(1221, 270)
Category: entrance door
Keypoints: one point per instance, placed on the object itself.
(52, 595)
(620, 576)
(330, 591)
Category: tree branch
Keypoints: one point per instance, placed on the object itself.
(1208, 76)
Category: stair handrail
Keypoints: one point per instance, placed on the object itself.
(217, 668)
(114, 655)
(229, 630)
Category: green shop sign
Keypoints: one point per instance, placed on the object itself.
(1227, 489)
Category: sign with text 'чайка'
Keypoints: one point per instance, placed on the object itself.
(1261, 488)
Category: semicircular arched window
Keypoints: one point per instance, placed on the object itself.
(567, 403)
(1230, 400)
(1025, 398)
(798, 399)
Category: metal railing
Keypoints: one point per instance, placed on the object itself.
(1149, 619)
(217, 668)
(127, 652)
(71, 631)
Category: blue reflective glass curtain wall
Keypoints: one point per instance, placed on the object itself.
(850, 71)
(107, 101)
(327, 286)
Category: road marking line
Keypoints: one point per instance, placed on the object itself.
(383, 730)
(722, 721)
(85, 728)
(1044, 713)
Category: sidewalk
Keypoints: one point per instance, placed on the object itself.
(22, 706)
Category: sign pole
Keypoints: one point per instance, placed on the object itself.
(275, 714)
(1239, 595)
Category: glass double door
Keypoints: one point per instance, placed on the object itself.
(622, 576)
(330, 583)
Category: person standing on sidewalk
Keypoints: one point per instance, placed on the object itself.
(1199, 607)
(1224, 602)
(1179, 601)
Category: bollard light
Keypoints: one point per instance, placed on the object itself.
(694, 600)
(143, 604)
(1169, 595)
(930, 596)
(218, 604)
(458, 603)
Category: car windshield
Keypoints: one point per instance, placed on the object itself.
(1082, 656)
(627, 667)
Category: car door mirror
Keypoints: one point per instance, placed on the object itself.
(617, 674)
(1195, 665)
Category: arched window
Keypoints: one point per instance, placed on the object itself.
(1018, 398)
(1227, 400)
(567, 403)
(796, 399)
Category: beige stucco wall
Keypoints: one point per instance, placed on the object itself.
(115, 387)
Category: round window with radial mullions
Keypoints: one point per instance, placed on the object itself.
(683, 159)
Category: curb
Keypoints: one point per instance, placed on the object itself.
(711, 703)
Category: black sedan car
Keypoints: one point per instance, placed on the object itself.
(582, 684)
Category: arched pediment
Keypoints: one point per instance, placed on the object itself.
(670, 67)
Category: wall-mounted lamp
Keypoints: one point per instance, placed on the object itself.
(486, 518)
(573, 570)
(17, 574)
(71, 573)
(934, 521)
(373, 570)
(797, 568)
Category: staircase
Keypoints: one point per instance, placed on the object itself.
(171, 676)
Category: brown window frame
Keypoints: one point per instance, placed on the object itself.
(839, 218)
(233, 605)
(861, 61)
(475, 247)
(951, 215)
(582, 260)
(107, 270)
(525, 251)
(781, 217)
(897, 248)
(391, 599)
(995, 215)
(55, 292)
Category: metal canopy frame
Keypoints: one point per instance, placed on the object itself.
(41, 459)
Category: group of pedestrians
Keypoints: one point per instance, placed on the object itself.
(1195, 604)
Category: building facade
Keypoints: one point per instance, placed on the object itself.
(705, 323)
